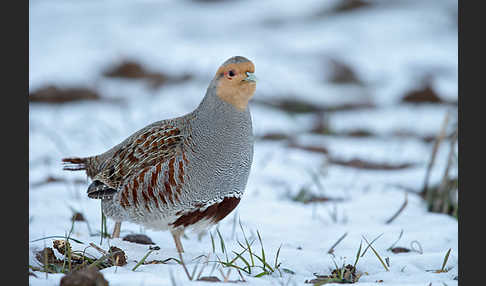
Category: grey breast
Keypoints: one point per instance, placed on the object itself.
(222, 141)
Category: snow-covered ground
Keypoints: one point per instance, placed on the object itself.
(391, 46)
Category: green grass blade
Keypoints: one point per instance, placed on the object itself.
(276, 257)
(264, 263)
(369, 244)
(227, 264)
(357, 255)
(377, 255)
(445, 260)
(212, 242)
(238, 256)
(262, 274)
(263, 251)
(247, 245)
(393, 245)
(142, 260)
(223, 247)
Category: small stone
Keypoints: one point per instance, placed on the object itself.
(138, 238)
(89, 276)
(210, 279)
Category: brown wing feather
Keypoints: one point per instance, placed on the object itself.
(145, 148)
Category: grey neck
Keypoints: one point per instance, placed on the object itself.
(213, 108)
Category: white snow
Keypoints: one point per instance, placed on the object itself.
(390, 46)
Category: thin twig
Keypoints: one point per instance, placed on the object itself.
(445, 260)
(369, 244)
(438, 140)
(399, 237)
(405, 202)
(376, 253)
(331, 250)
(441, 190)
(102, 251)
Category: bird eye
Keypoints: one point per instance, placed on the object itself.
(231, 73)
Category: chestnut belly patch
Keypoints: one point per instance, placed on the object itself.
(213, 213)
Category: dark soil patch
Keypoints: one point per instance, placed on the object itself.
(209, 279)
(274, 136)
(306, 197)
(315, 149)
(408, 134)
(130, 69)
(320, 199)
(216, 279)
(350, 107)
(138, 238)
(89, 276)
(127, 69)
(53, 94)
(342, 73)
(350, 5)
(426, 94)
(361, 164)
(400, 250)
(344, 6)
(291, 104)
(357, 133)
(78, 217)
(51, 179)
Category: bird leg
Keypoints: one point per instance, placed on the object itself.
(176, 234)
(116, 230)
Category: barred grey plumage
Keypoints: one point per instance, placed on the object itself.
(188, 171)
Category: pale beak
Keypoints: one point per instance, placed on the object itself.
(250, 77)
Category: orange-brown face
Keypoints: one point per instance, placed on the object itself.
(236, 83)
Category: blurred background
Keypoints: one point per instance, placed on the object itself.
(347, 69)
(361, 93)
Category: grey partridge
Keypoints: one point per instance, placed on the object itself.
(184, 172)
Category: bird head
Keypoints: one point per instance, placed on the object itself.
(236, 82)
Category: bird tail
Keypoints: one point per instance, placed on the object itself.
(74, 164)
